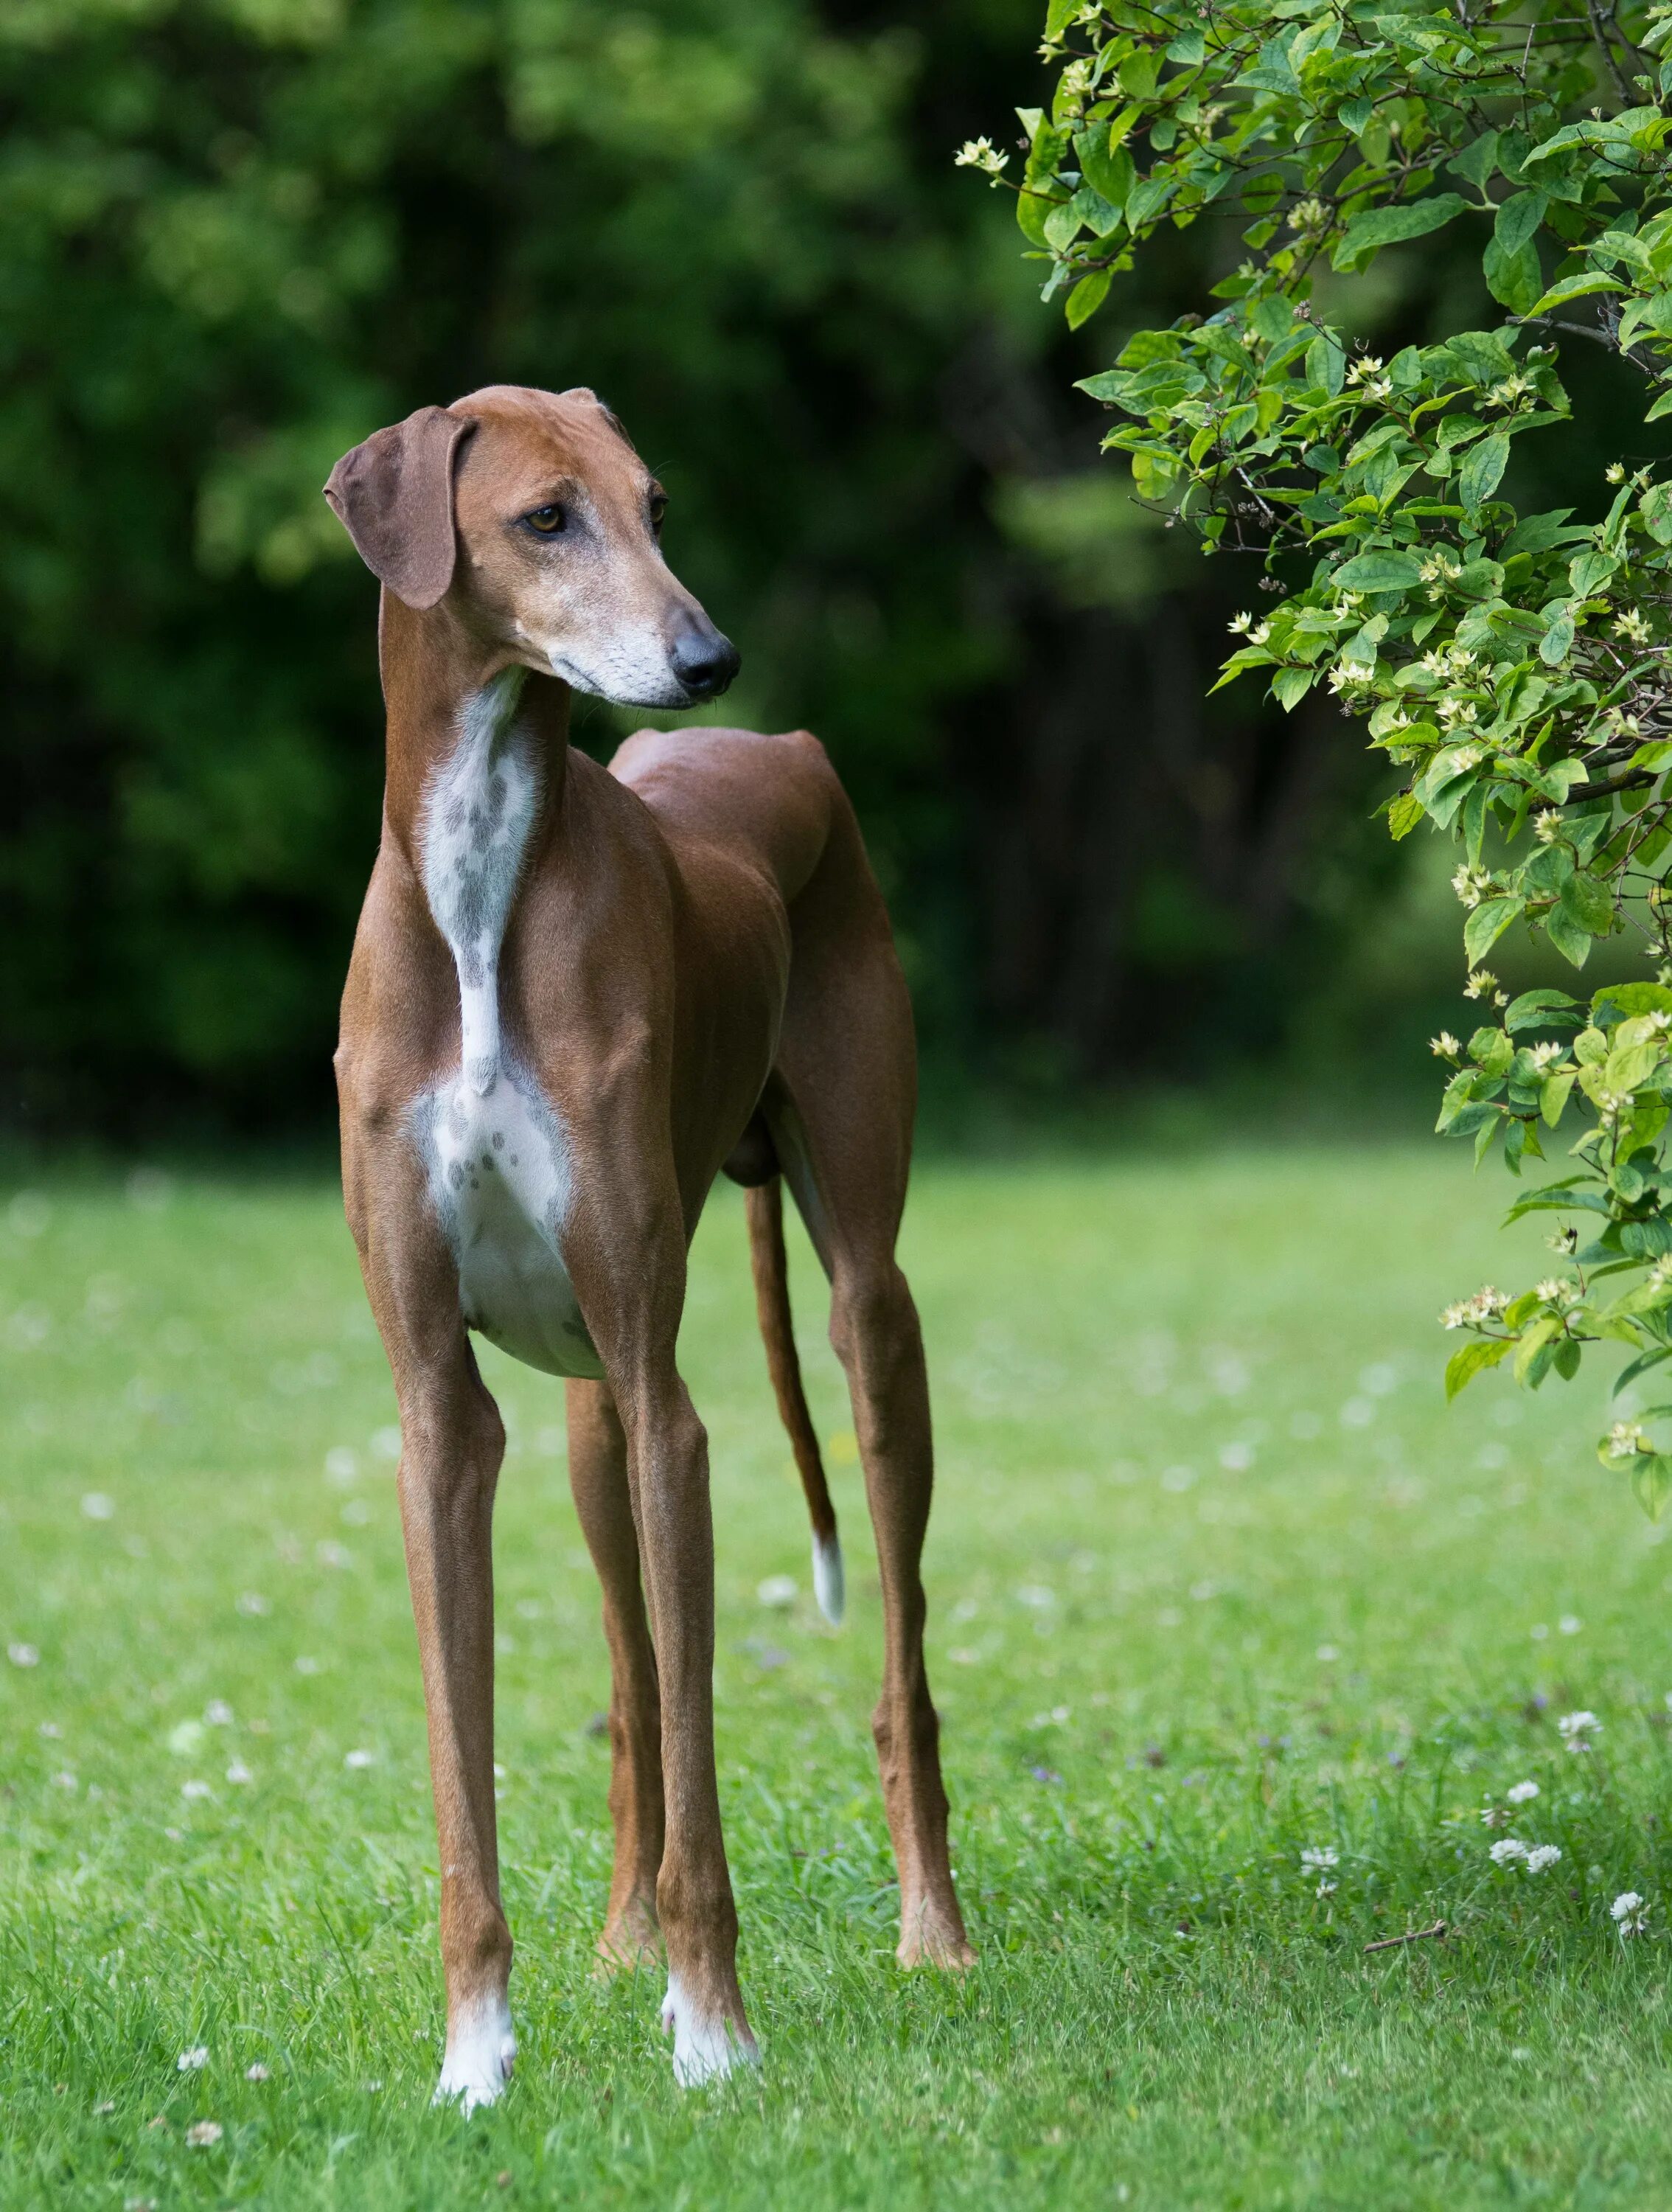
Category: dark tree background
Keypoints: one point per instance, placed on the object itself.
(235, 235)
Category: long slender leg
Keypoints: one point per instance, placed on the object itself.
(874, 1328)
(602, 1499)
(451, 1444)
(668, 1461)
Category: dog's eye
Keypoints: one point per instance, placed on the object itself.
(658, 510)
(548, 521)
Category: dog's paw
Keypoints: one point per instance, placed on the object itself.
(481, 2050)
(705, 2044)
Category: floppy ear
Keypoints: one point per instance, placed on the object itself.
(393, 494)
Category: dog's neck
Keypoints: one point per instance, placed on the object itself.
(439, 681)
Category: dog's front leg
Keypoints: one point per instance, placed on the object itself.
(634, 1316)
(451, 1444)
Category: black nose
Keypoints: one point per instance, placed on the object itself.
(704, 661)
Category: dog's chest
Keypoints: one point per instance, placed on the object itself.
(495, 1150)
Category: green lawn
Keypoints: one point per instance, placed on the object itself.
(1214, 1579)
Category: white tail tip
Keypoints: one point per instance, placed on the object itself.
(829, 1585)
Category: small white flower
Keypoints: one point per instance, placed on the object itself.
(98, 1505)
(1239, 625)
(258, 2072)
(1318, 1858)
(1367, 365)
(777, 1592)
(1631, 626)
(1547, 1055)
(1615, 473)
(195, 1789)
(1576, 1729)
(239, 1773)
(1626, 1438)
(1327, 1888)
(1546, 825)
(1521, 1792)
(1631, 1913)
(23, 1655)
(358, 1759)
(1509, 1848)
(193, 2060)
(1495, 1816)
(1444, 1046)
(1543, 1855)
(218, 1713)
(1309, 215)
(981, 154)
(202, 2133)
(1570, 1624)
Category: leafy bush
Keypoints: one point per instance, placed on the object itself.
(1513, 666)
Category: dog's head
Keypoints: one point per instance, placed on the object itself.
(531, 515)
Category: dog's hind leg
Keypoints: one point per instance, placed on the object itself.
(841, 1111)
(598, 1477)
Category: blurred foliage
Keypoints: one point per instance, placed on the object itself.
(235, 235)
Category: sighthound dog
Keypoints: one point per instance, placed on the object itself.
(576, 995)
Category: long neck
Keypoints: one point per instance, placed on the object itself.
(477, 754)
(436, 679)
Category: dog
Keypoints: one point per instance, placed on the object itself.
(576, 995)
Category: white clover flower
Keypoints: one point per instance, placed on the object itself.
(1626, 1438)
(203, 2133)
(1576, 1729)
(981, 154)
(193, 2060)
(1631, 1913)
(1318, 1858)
(258, 2072)
(1543, 1855)
(1521, 1792)
(1444, 1046)
(1495, 1816)
(1510, 1848)
(1327, 1888)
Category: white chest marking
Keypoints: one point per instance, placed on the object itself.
(495, 1151)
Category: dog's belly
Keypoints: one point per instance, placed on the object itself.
(498, 1171)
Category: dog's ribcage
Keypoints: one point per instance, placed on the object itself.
(494, 1147)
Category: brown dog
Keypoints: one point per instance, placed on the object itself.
(576, 995)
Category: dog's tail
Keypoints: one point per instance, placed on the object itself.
(765, 1206)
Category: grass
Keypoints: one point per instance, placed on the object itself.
(1214, 1578)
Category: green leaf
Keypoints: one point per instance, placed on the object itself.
(1378, 571)
(1291, 685)
(1483, 465)
(1552, 1095)
(1487, 925)
(1366, 234)
(1404, 813)
(1087, 297)
(1573, 287)
(1588, 902)
(1470, 1359)
(1326, 363)
(1569, 938)
(1536, 1009)
(1651, 1481)
(1557, 640)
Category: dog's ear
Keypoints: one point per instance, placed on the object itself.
(393, 494)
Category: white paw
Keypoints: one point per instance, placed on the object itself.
(482, 2049)
(704, 2046)
(829, 1583)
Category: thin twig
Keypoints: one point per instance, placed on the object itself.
(1411, 1935)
